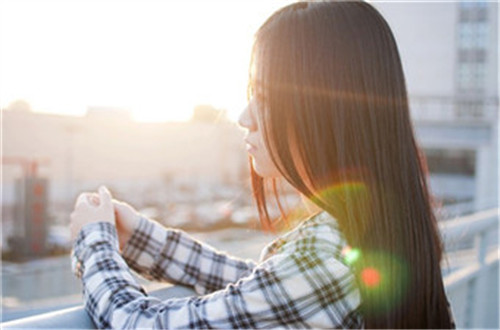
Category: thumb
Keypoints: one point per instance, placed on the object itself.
(105, 195)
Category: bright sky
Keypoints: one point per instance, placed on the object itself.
(156, 58)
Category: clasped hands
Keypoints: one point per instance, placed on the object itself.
(101, 207)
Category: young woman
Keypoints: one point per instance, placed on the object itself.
(328, 112)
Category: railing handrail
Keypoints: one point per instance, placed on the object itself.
(77, 317)
(485, 99)
(458, 277)
(469, 225)
(468, 108)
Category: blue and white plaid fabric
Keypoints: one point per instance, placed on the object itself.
(300, 281)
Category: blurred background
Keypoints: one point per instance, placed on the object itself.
(143, 96)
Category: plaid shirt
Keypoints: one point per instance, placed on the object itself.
(300, 281)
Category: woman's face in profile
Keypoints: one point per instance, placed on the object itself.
(254, 139)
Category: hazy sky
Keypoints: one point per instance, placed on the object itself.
(156, 58)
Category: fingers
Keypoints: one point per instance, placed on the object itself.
(118, 207)
(94, 199)
(90, 208)
(122, 210)
(88, 198)
(83, 198)
(121, 206)
(105, 196)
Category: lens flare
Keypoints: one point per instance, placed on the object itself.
(370, 277)
(349, 186)
(384, 277)
(350, 255)
(347, 200)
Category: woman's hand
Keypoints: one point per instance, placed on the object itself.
(90, 208)
(127, 220)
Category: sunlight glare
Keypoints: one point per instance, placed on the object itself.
(157, 58)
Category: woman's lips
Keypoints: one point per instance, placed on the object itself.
(250, 147)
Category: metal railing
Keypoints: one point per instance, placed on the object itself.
(453, 109)
(472, 287)
(77, 317)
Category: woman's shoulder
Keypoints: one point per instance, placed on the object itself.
(323, 231)
(317, 234)
(319, 220)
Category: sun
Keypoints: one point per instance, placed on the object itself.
(159, 59)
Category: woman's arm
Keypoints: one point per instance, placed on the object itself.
(164, 254)
(297, 290)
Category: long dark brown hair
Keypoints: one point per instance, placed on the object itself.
(337, 125)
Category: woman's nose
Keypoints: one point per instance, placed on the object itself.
(246, 120)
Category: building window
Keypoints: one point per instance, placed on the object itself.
(473, 35)
(471, 76)
(473, 11)
(474, 55)
(446, 161)
(472, 5)
(470, 108)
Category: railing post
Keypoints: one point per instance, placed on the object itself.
(480, 285)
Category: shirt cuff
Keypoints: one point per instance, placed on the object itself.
(143, 247)
(95, 236)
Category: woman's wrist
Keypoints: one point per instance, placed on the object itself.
(125, 234)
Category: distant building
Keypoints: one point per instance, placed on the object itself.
(450, 56)
(107, 148)
(108, 113)
(208, 114)
(19, 106)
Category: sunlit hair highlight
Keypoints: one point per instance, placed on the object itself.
(337, 126)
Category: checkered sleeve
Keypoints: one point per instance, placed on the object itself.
(165, 254)
(298, 290)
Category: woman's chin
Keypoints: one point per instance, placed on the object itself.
(266, 172)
